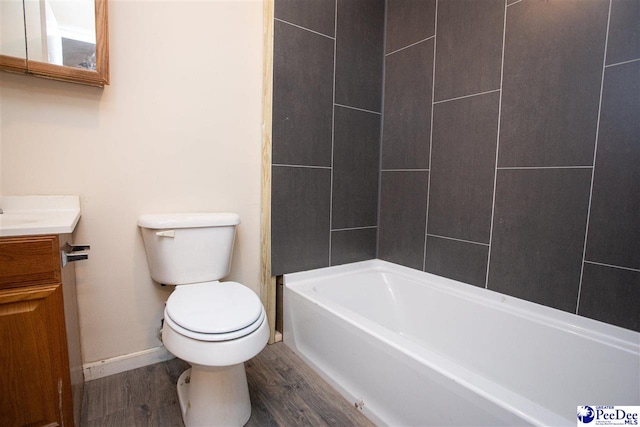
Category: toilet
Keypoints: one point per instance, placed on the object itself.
(214, 326)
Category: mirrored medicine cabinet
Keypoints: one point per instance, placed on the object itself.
(56, 39)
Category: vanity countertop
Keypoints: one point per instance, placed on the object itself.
(33, 215)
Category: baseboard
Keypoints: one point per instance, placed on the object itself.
(126, 362)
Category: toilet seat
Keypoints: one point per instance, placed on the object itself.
(214, 311)
(215, 337)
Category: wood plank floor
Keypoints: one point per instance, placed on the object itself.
(284, 392)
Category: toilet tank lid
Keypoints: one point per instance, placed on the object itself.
(188, 220)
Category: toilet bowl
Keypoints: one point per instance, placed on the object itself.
(212, 325)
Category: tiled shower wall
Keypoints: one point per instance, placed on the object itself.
(328, 63)
(488, 169)
(510, 154)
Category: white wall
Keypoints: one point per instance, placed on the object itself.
(178, 129)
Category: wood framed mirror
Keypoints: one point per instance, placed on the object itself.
(64, 40)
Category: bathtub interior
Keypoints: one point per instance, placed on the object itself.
(554, 359)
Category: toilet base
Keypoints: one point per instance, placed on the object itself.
(218, 397)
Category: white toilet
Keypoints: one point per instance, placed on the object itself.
(214, 326)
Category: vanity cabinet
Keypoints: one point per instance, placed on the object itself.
(39, 335)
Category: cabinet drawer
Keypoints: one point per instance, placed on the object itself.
(29, 261)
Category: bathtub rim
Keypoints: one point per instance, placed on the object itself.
(605, 333)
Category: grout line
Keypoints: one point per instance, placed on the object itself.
(612, 266)
(412, 44)
(457, 240)
(303, 28)
(333, 125)
(495, 174)
(366, 227)
(404, 170)
(300, 166)
(541, 167)
(595, 153)
(515, 2)
(467, 96)
(433, 94)
(356, 108)
(381, 135)
(622, 63)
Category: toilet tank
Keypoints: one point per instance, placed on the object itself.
(187, 248)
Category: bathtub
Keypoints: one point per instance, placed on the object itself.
(413, 349)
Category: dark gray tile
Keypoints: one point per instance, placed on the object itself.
(469, 47)
(610, 295)
(408, 22)
(624, 31)
(407, 108)
(316, 15)
(614, 227)
(299, 219)
(359, 53)
(463, 161)
(538, 235)
(551, 83)
(302, 97)
(356, 158)
(463, 261)
(403, 207)
(353, 245)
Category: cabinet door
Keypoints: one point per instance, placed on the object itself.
(34, 384)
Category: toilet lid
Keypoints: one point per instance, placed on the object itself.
(214, 307)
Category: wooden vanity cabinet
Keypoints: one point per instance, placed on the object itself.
(35, 375)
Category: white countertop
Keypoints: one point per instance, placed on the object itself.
(33, 215)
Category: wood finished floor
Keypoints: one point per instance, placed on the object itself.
(284, 392)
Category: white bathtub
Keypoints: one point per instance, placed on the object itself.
(412, 348)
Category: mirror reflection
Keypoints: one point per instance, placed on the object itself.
(12, 41)
(61, 32)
